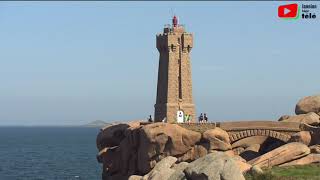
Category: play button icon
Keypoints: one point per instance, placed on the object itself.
(288, 11)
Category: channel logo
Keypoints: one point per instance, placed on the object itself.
(288, 11)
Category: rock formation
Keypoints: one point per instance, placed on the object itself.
(162, 139)
(145, 151)
(309, 159)
(217, 139)
(214, 166)
(308, 104)
(283, 154)
(302, 137)
(310, 118)
(127, 149)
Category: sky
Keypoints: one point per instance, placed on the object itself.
(69, 63)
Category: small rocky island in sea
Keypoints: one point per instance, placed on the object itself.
(174, 146)
(97, 123)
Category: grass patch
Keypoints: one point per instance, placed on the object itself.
(309, 172)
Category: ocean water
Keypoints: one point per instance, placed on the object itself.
(48, 153)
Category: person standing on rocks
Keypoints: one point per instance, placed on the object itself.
(205, 118)
(189, 118)
(186, 117)
(150, 119)
(201, 118)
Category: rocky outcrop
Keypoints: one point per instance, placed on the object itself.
(214, 166)
(178, 171)
(141, 151)
(127, 149)
(162, 170)
(308, 104)
(315, 149)
(218, 139)
(111, 136)
(282, 154)
(119, 158)
(162, 139)
(302, 137)
(194, 153)
(309, 159)
(310, 118)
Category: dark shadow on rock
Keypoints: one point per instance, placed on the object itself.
(270, 144)
(248, 155)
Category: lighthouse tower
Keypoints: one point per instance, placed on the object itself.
(174, 88)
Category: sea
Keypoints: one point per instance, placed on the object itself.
(49, 153)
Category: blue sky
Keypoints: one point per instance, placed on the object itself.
(75, 62)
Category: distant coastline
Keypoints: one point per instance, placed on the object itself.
(97, 123)
(93, 124)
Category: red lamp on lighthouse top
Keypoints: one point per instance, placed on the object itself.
(175, 21)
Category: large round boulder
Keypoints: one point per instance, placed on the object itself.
(218, 139)
(302, 137)
(159, 140)
(310, 118)
(214, 166)
(308, 104)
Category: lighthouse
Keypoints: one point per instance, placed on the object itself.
(174, 87)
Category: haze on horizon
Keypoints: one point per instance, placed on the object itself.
(65, 63)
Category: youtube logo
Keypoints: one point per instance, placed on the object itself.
(288, 11)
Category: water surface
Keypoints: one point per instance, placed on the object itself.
(59, 153)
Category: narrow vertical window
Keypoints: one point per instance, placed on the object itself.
(180, 73)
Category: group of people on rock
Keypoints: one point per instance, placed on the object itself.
(203, 118)
(186, 119)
